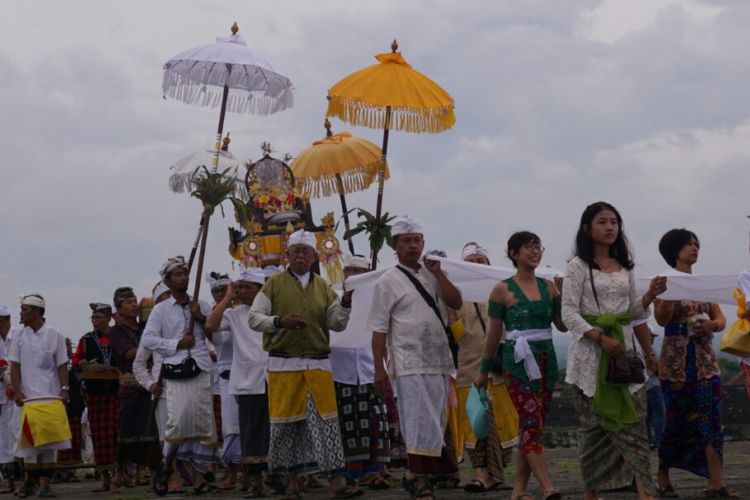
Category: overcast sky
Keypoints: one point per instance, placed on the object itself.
(642, 103)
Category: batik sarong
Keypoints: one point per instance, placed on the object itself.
(693, 420)
(104, 412)
(305, 433)
(494, 451)
(138, 438)
(611, 460)
(72, 456)
(364, 428)
(254, 431)
(532, 407)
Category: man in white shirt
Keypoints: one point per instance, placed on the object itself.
(191, 432)
(243, 382)
(8, 413)
(410, 333)
(39, 375)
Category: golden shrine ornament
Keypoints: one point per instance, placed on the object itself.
(252, 249)
(330, 257)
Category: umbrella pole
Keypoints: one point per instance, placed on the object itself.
(381, 178)
(199, 270)
(344, 210)
(195, 245)
(220, 130)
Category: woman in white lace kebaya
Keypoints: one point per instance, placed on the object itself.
(612, 441)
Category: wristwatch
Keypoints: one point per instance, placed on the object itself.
(65, 387)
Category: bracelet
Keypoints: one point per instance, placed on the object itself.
(599, 337)
(485, 365)
(277, 322)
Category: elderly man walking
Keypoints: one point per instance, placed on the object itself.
(191, 431)
(406, 319)
(39, 376)
(295, 311)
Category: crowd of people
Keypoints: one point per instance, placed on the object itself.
(175, 391)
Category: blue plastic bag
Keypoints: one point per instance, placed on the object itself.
(478, 411)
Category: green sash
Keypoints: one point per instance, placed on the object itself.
(612, 402)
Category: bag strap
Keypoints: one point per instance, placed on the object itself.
(430, 300)
(479, 315)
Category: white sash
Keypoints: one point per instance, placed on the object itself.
(523, 351)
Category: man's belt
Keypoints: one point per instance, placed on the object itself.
(277, 354)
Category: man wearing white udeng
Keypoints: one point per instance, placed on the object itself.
(409, 331)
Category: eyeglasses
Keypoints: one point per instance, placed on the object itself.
(297, 250)
(534, 247)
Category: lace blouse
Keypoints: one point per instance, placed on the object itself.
(617, 294)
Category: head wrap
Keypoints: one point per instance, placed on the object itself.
(302, 237)
(250, 275)
(474, 248)
(33, 300)
(159, 290)
(121, 294)
(405, 224)
(4, 311)
(98, 307)
(217, 280)
(270, 270)
(171, 264)
(356, 261)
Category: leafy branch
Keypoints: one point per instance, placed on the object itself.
(378, 231)
(212, 189)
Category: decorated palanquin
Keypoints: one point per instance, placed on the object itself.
(275, 208)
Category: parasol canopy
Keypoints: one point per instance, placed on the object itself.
(183, 171)
(417, 103)
(198, 76)
(337, 164)
(390, 95)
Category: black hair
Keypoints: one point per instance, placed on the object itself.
(519, 239)
(673, 241)
(584, 247)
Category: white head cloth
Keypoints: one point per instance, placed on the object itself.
(216, 280)
(474, 248)
(302, 237)
(270, 270)
(160, 289)
(171, 264)
(356, 261)
(4, 311)
(405, 224)
(32, 300)
(250, 275)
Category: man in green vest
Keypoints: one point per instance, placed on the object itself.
(295, 310)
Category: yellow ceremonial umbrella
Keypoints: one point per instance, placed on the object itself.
(391, 95)
(338, 163)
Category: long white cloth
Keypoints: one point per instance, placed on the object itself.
(476, 282)
(230, 411)
(190, 410)
(422, 408)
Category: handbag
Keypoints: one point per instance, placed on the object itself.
(187, 369)
(736, 340)
(478, 411)
(433, 305)
(623, 369)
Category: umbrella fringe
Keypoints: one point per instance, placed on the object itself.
(183, 183)
(407, 119)
(355, 179)
(190, 91)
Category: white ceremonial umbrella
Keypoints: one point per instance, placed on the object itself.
(183, 170)
(227, 75)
